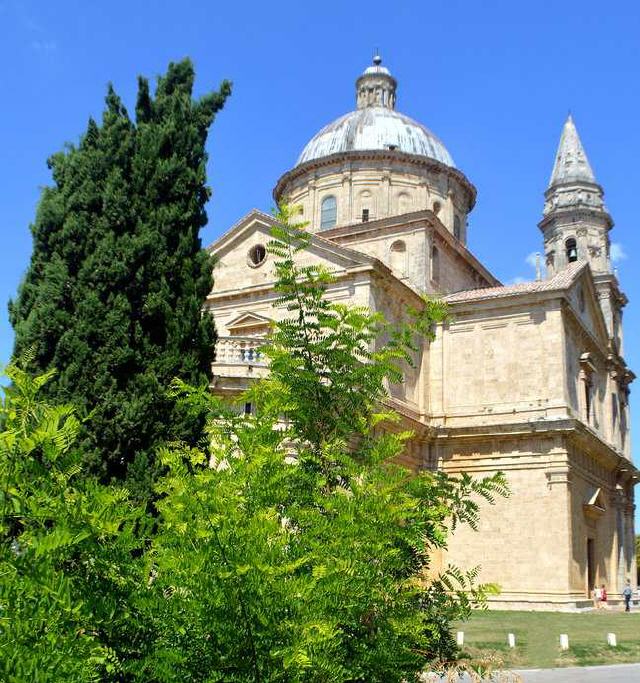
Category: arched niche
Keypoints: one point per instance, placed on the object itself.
(398, 257)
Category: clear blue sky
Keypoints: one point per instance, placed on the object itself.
(494, 80)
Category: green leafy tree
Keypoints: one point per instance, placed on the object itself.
(291, 546)
(114, 292)
(67, 549)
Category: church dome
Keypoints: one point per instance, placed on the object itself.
(375, 128)
(375, 125)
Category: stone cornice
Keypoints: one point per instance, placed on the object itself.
(612, 281)
(573, 183)
(373, 269)
(575, 430)
(417, 419)
(575, 213)
(390, 157)
(424, 218)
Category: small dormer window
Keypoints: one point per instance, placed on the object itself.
(328, 212)
(365, 215)
(571, 250)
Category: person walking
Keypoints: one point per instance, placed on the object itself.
(597, 595)
(627, 593)
(604, 597)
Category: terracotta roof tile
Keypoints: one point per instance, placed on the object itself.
(558, 282)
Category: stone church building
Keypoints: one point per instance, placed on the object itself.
(529, 379)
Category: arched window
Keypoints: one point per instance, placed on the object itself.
(571, 250)
(457, 231)
(328, 212)
(436, 207)
(398, 257)
(435, 264)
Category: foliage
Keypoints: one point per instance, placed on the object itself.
(290, 546)
(114, 292)
(66, 548)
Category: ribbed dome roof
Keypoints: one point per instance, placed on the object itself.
(375, 125)
(375, 128)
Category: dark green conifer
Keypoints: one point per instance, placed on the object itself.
(114, 292)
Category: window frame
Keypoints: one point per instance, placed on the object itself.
(328, 214)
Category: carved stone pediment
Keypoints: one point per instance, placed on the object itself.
(595, 505)
(249, 324)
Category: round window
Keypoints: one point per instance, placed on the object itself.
(257, 255)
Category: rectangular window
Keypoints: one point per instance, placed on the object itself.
(435, 264)
(587, 399)
(365, 215)
(247, 408)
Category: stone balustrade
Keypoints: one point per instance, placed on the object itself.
(239, 351)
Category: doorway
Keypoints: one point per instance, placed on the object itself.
(591, 566)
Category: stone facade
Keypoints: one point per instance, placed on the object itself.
(527, 379)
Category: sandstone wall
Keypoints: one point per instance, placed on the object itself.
(523, 541)
(495, 365)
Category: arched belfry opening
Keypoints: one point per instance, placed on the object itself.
(571, 250)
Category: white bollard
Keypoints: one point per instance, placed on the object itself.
(564, 641)
(511, 639)
(611, 640)
(460, 638)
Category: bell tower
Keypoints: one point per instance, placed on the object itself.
(575, 222)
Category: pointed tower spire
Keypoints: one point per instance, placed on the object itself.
(575, 222)
(571, 160)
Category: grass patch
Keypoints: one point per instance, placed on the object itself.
(538, 638)
(585, 655)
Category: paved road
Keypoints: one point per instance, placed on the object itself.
(619, 673)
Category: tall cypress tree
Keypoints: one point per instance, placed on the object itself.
(114, 291)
